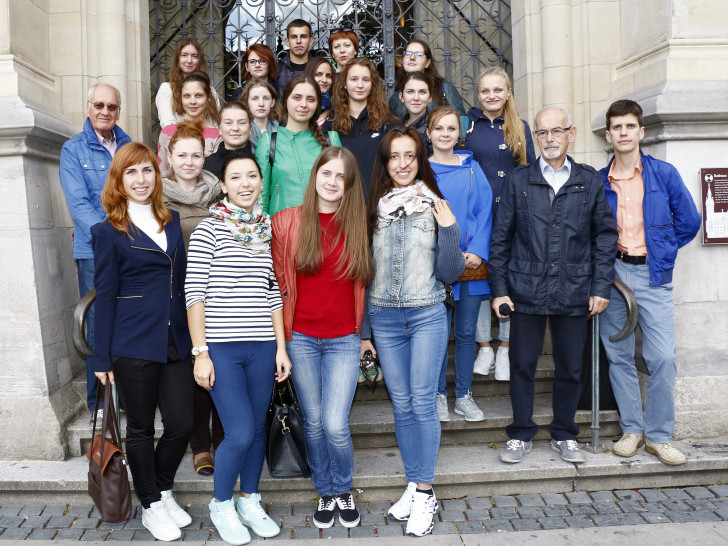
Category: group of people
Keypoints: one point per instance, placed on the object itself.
(273, 237)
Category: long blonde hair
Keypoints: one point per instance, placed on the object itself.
(514, 132)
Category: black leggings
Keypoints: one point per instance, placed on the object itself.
(147, 384)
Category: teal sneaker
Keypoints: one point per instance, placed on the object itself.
(227, 523)
(252, 514)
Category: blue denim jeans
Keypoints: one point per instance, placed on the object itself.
(657, 321)
(244, 372)
(466, 319)
(325, 373)
(482, 332)
(85, 270)
(411, 343)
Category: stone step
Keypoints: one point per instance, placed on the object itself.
(372, 424)
(462, 470)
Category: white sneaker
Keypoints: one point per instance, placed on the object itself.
(502, 365)
(401, 509)
(228, 524)
(442, 412)
(422, 519)
(175, 511)
(484, 361)
(157, 521)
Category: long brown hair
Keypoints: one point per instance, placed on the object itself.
(383, 183)
(276, 112)
(377, 106)
(313, 122)
(204, 80)
(175, 72)
(115, 200)
(514, 132)
(355, 262)
(265, 53)
(431, 71)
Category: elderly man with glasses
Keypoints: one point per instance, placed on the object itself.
(552, 257)
(85, 162)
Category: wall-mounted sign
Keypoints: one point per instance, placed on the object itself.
(714, 186)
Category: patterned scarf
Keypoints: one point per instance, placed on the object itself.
(253, 230)
(405, 201)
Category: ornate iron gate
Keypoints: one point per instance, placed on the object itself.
(465, 35)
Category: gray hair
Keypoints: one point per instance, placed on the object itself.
(93, 88)
(569, 121)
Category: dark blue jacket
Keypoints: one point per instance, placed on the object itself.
(485, 139)
(550, 257)
(671, 219)
(139, 295)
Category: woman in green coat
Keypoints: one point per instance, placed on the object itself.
(286, 164)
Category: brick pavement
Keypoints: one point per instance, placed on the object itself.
(472, 515)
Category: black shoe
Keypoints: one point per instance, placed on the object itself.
(323, 518)
(348, 514)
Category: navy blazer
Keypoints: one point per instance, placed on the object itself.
(139, 294)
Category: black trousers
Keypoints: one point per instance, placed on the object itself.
(146, 385)
(204, 433)
(527, 334)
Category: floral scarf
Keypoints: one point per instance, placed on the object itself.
(253, 230)
(405, 201)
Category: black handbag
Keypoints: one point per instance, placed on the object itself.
(285, 449)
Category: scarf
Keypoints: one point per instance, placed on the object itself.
(252, 230)
(326, 101)
(402, 202)
(206, 191)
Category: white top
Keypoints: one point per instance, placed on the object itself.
(556, 179)
(144, 219)
(165, 112)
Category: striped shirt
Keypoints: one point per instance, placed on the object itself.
(237, 285)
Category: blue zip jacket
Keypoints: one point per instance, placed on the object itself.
(671, 218)
(83, 169)
(467, 191)
(485, 139)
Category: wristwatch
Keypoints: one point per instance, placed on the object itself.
(196, 350)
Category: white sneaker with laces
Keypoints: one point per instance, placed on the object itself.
(484, 361)
(467, 407)
(401, 509)
(422, 518)
(502, 365)
(442, 412)
(227, 522)
(157, 521)
(175, 511)
(251, 513)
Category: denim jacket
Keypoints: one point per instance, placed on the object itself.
(412, 260)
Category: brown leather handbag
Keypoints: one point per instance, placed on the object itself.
(480, 273)
(108, 480)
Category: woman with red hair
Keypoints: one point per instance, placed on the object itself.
(258, 62)
(142, 338)
(343, 47)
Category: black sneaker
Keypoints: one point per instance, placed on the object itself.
(348, 514)
(323, 518)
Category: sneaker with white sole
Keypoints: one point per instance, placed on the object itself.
(442, 412)
(402, 509)
(484, 361)
(251, 513)
(569, 450)
(348, 513)
(422, 518)
(628, 444)
(502, 365)
(157, 521)
(323, 517)
(227, 522)
(175, 511)
(667, 453)
(514, 451)
(467, 407)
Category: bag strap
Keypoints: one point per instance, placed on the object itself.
(272, 152)
(109, 421)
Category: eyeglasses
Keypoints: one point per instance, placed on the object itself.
(558, 132)
(111, 107)
(256, 62)
(417, 54)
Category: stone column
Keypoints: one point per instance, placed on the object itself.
(50, 52)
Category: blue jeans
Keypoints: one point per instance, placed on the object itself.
(482, 332)
(244, 372)
(466, 319)
(411, 342)
(657, 321)
(325, 373)
(85, 270)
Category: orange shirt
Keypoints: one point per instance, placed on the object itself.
(630, 215)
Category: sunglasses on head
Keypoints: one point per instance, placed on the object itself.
(98, 105)
(342, 29)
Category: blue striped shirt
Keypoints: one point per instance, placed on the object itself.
(237, 285)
